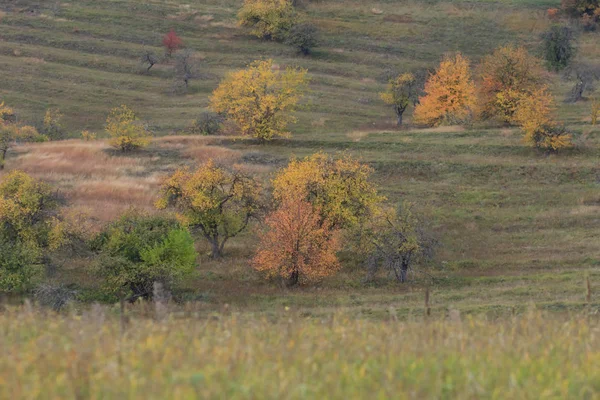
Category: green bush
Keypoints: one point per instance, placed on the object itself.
(267, 19)
(303, 37)
(19, 265)
(138, 250)
(558, 47)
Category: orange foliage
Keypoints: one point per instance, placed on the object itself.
(298, 246)
(449, 94)
(506, 76)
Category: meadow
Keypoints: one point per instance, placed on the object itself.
(511, 313)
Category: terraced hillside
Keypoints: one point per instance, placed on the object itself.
(516, 225)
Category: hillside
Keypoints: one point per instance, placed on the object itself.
(517, 225)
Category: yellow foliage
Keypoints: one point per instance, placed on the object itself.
(88, 136)
(125, 130)
(449, 94)
(506, 76)
(268, 19)
(340, 188)
(535, 116)
(52, 124)
(259, 99)
(6, 113)
(217, 202)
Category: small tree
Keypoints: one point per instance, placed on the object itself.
(400, 92)
(298, 246)
(267, 19)
(52, 126)
(506, 75)
(303, 37)
(7, 114)
(259, 99)
(126, 131)
(340, 188)
(29, 226)
(212, 200)
(585, 76)
(138, 250)
(184, 68)
(535, 115)
(396, 240)
(449, 94)
(150, 59)
(558, 47)
(171, 42)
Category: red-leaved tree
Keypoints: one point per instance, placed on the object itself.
(297, 246)
(172, 42)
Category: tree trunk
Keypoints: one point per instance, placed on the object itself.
(404, 272)
(400, 114)
(294, 278)
(216, 250)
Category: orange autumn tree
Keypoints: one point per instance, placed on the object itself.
(449, 94)
(535, 115)
(298, 246)
(506, 76)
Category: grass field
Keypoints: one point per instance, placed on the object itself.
(518, 228)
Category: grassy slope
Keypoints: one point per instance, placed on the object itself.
(517, 226)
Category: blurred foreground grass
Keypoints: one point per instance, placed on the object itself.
(238, 356)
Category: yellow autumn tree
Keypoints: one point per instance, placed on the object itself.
(260, 99)
(11, 132)
(267, 19)
(341, 188)
(449, 94)
(506, 76)
(126, 130)
(535, 115)
(214, 201)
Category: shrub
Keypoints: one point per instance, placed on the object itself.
(125, 130)
(207, 124)
(52, 126)
(7, 114)
(449, 94)
(267, 19)
(400, 92)
(298, 246)
(139, 249)
(558, 47)
(212, 200)
(535, 115)
(505, 77)
(303, 37)
(172, 43)
(88, 136)
(340, 188)
(260, 100)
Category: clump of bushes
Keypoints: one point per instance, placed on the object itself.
(138, 250)
(208, 123)
(126, 131)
